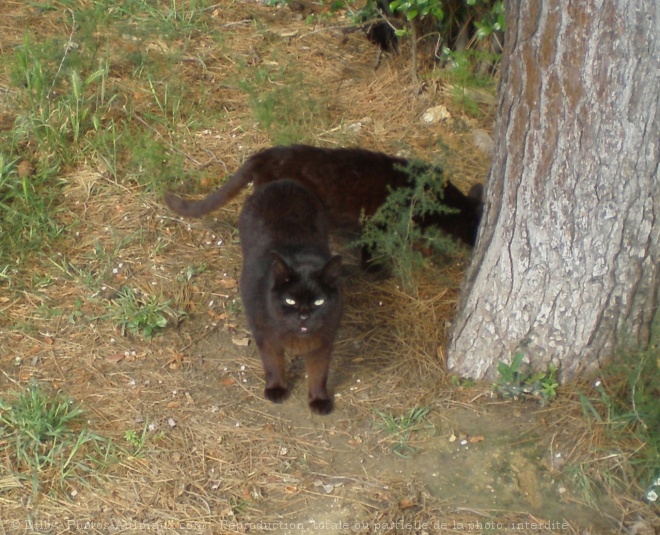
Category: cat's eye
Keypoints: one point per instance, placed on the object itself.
(289, 301)
(319, 302)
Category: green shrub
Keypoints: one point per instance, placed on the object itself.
(393, 236)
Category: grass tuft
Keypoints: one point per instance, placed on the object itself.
(626, 410)
(141, 314)
(400, 428)
(45, 439)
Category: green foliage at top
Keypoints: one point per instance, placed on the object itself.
(413, 9)
(171, 19)
(487, 16)
(393, 235)
(492, 20)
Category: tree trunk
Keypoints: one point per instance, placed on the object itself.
(566, 268)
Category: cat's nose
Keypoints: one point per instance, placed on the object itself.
(304, 316)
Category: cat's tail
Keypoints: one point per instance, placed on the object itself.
(212, 201)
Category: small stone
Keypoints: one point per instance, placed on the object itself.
(483, 141)
(436, 114)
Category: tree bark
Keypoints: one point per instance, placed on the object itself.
(566, 268)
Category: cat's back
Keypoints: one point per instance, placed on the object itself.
(320, 168)
(348, 181)
(282, 213)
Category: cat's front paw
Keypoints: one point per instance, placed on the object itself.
(277, 394)
(321, 406)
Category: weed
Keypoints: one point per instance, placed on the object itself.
(68, 110)
(393, 234)
(173, 106)
(136, 440)
(516, 383)
(462, 383)
(401, 427)
(137, 314)
(44, 436)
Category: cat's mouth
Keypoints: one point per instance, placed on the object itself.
(303, 329)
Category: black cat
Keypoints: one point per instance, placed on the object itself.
(290, 286)
(350, 182)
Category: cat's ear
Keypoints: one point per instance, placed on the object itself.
(281, 270)
(332, 270)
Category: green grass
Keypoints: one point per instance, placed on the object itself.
(46, 441)
(57, 108)
(625, 404)
(191, 272)
(282, 105)
(171, 19)
(68, 109)
(27, 212)
(400, 428)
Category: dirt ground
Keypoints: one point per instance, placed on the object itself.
(217, 457)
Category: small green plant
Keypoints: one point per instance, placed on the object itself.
(516, 383)
(137, 440)
(393, 234)
(138, 314)
(401, 427)
(44, 437)
(462, 383)
(191, 272)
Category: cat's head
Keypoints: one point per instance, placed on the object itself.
(305, 294)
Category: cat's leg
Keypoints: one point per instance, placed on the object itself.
(317, 366)
(272, 358)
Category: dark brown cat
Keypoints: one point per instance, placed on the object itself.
(290, 286)
(350, 182)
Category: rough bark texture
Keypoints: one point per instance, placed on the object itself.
(566, 268)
